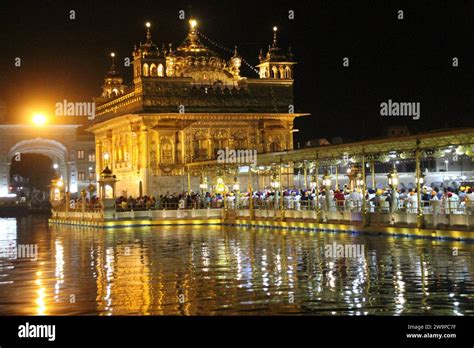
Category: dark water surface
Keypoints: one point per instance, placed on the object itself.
(215, 270)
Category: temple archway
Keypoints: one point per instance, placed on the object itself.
(53, 149)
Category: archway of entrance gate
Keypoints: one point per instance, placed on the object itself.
(53, 149)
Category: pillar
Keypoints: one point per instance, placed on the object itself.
(364, 200)
(316, 169)
(83, 196)
(418, 187)
(372, 172)
(68, 175)
(250, 189)
(305, 175)
(281, 193)
(189, 182)
(8, 174)
(67, 198)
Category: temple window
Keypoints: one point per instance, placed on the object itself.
(274, 147)
(145, 69)
(166, 152)
(153, 71)
(160, 70)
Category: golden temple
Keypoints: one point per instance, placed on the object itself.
(183, 106)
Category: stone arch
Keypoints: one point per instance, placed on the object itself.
(53, 149)
(281, 71)
(274, 73)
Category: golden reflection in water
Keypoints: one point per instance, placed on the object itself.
(133, 277)
(213, 270)
(41, 299)
(59, 271)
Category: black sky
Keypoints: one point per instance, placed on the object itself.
(406, 60)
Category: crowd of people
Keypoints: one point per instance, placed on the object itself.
(449, 199)
(452, 200)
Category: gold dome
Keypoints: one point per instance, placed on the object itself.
(193, 59)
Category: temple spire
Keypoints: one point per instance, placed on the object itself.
(112, 70)
(113, 82)
(192, 25)
(148, 32)
(275, 29)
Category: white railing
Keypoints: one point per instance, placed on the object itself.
(171, 214)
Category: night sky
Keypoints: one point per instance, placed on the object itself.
(407, 60)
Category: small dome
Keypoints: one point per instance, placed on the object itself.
(148, 49)
(193, 47)
(106, 172)
(193, 59)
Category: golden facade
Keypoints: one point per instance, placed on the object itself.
(184, 105)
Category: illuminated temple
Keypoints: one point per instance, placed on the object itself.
(183, 106)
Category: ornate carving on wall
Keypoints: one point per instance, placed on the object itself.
(153, 155)
(166, 146)
(220, 134)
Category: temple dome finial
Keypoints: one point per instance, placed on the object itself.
(113, 70)
(275, 29)
(148, 32)
(192, 24)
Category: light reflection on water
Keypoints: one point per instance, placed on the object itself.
(209, 270)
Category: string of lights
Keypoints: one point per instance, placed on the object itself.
(250, 66)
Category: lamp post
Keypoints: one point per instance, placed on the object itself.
(275, 185)
(421, 179)
(372, 173)
(327, 185)
(107, 185)
(280, 173)
(55, 192)
(353, 173)
(236, 184)
(221, 189)
(305, 173)
(250, 191)
(203, 184)
(314, 181)
(83, 198)
(236, 189)
(420, 219)
(203, 187)
(316, 191)
(359, 181)
(362, 181)
(393, 180)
